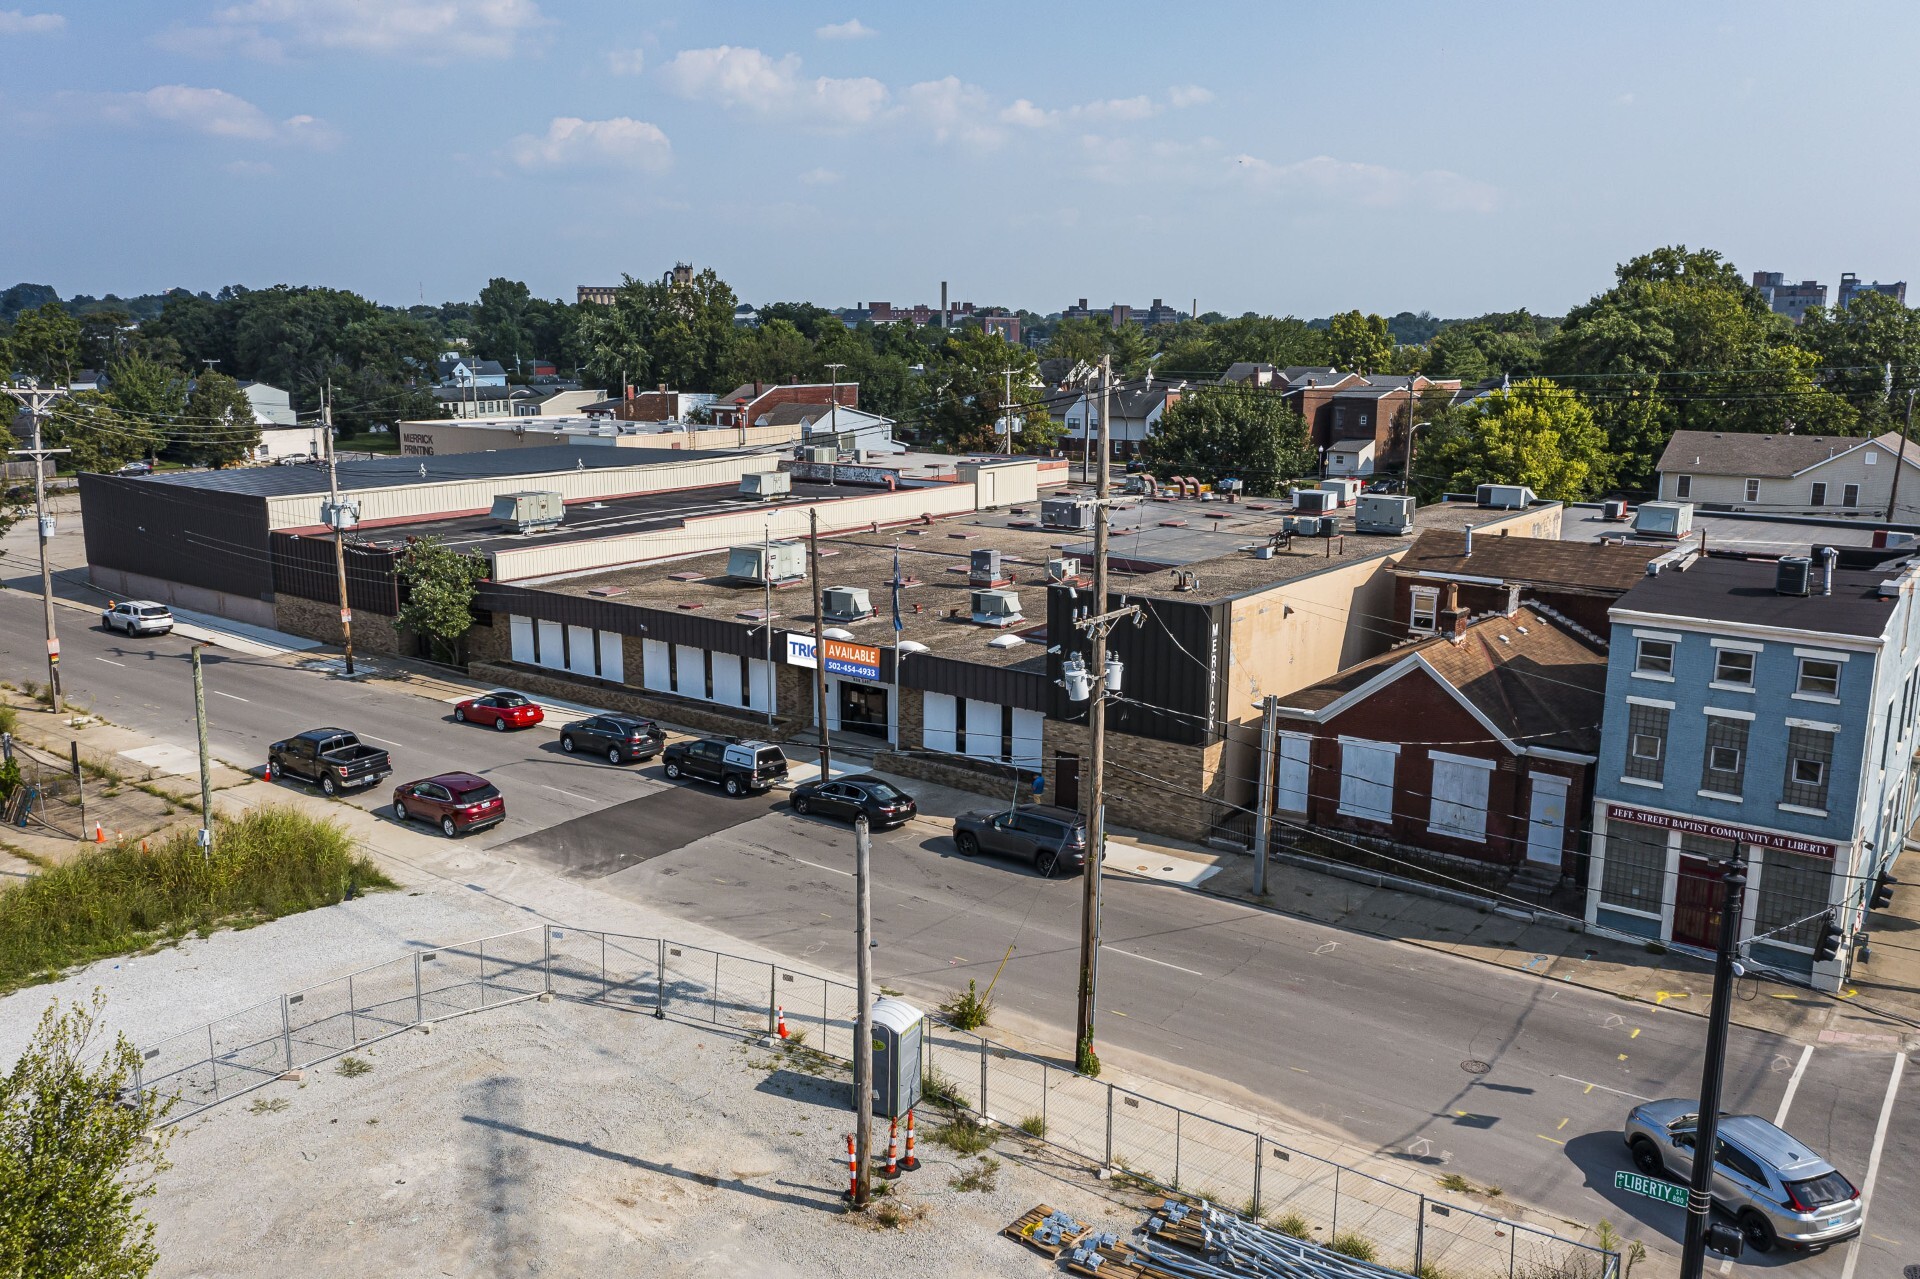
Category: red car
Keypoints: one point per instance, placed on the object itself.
(455, 802)
(499, 708)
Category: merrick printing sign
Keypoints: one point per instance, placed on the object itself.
(855, 661)
(1719, 830)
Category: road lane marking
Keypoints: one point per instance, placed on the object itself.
(1603, 1088)
(817, 866)
(370, 737)
(585, 799)
(1873, 1159)
(1561, 1126)
(1793, 1086)
(1635, 1034)
(1163, 963)
(217, 693)
(109, 661)
(1556, 1141)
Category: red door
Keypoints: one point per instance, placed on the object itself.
(1696, 904)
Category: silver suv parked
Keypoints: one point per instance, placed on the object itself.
(137, 617)
(1772, 1185)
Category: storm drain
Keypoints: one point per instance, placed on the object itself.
(1474, 1066)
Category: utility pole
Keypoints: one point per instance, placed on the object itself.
(1263, 820)
(1006, 408)
(819, 643)
(337, 520)
(833, 420)
(1706, 1131)
(38, 404)
(766, 609)
(1406, 481)
(206, 773)
(863, 1020)
(1098, 625)
(1900, 461)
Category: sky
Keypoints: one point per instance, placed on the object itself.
(1281, 157)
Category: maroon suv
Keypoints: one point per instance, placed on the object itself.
(456, 802)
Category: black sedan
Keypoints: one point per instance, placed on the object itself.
(848, 797)
(621, 738)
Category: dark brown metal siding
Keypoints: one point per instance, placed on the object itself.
(305, 567)
(1027, 690)
(1171, 663)
(198, 537)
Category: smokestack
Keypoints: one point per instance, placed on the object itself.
(943, 304)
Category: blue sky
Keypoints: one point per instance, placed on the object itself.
(1281, 157)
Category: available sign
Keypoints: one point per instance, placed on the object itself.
(1652, 1187)
(1719, 830)
(855, 661)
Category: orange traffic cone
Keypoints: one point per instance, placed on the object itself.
(893, 1150)
(99, 835)
(909, 1164)
(780, 1020)
(853, 1171)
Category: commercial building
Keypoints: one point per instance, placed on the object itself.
(1763, 709)
(1851, 287)
(1789, 299)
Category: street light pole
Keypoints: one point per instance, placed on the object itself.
(1406, 485)
(1706, 1131)
(336, 517)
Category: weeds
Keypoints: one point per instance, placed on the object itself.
(268, 1105)
(1357, 1246)
(962, 1133)
(893, 1215)
(115, 899)
(9, 720)
(940, 1089)
(969, 1009)
(985, 1178)
(1034, 1126)
(1454, 1182)
(1293, 1224)
(352, 1067)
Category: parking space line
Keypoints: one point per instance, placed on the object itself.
(109, 661)
(217, 693)
(1873, 1159)
(1793, 1086)
(1590, 1086)
(1163, 963)
(585, 799)
(817, 866)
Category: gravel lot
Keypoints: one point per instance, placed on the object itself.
(561, 1139)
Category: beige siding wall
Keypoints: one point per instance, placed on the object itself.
(1794, 495)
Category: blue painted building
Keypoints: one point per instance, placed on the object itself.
(1760, 708)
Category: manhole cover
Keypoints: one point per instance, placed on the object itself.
(1474, 1066)
(1911, 1272)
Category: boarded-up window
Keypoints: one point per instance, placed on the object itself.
(656, 663)
(1459, 804)
(612, 663)
(1366, 780)
(940, 719)
(1290, 781)
(1028, 730)
(521, 629)
(582, 652)
(982, 739)
(1635, 870)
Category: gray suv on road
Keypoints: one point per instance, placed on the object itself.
(1773, 1186)
(1048, 837)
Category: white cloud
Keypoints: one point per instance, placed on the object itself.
(17, 22)
(627, 61)
(851, 29)
(426, 30)
(570, 142)
(954, 110)
(1107, 111)
(820, 177)
(213, 113)
(1377, 186)
(1027, 116)
(1182, 96)
(1139, 108)
(748, 80)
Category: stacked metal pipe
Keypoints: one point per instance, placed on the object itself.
(1234, 1248)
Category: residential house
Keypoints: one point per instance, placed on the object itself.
(271, 405)
(1574, 583)
(292, 441)
(1135, 407)
(1353, 409)
(475, 400)
(1477, 743)
(1761, 709)
(455, 369)
(1351, 458)
(852, 430)
(1792, 474)
(747, 403)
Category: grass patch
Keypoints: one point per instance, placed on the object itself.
(9, 720)
(1456, 1183)
(1349, 1244)
(985, 1178)
(962, 1133)
(352, 1067)
(890, 1214)
(115, 899)
(268, 1105)
(968, 1009)
(940, 1088)
(1293, 1224)
(1033, 1126)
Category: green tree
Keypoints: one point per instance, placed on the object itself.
(676, 331)
(1538, 434)
(79, 1150)
(440, 585)
(966, 393)
(1263, 339)
(1359, 343)
(45, 344)
(502, 323)
(219, 427)
(1232, 430)
(1132, 350)
(146, 392)
(1854, 349)
(775, 352)
(105, 336)
(1077, 339)
(95, 435)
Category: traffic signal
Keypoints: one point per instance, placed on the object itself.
(1828, 946)
(1724, 1238)
(1883, 891)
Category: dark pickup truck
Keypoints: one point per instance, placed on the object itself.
(331, 758)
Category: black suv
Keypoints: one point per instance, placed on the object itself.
(621, 738)
(735, 766)
(1048, 837)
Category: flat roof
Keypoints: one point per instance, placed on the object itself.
(605, 517)
(1733, 590)
(1725, 531)
(392, 472)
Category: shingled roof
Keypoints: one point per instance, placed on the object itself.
(1527, 561)
(1532, 683)
(1754, 456)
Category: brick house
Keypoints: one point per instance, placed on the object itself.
(1476, 744)
(1574, 581)
(750, 401)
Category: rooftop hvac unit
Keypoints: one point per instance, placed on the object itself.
(1329, 525)
(996, 608)
(530, 512)
(773, 562)
(1383, 513)
(983, 568)
(1347, 488)
(1793, 577)
(821, 454)
(1074, 514)
(845, 603)
(1614, 509)
(1315, 501)
(766, 485)
(1063, 570)
(1663, 519)
(1506, 497)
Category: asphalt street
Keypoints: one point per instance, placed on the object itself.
(1355, 1035)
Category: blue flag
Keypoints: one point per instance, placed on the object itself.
(897, 625)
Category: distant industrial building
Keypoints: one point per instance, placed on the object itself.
(1851, 287)
(1788, 299)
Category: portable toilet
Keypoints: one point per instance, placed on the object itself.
(897, 1027)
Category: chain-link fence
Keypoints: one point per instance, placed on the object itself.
(48, 795)
(1139, 1138)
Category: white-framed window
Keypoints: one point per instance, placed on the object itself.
(1683, 486)
(1654, 657)
(1459, 805)
(1870, 458)
(1366, 779)
(1819, 677)
(1733, 666)
(1850, 495)
(1753, 490)
(1819, 495)
(1425, 612)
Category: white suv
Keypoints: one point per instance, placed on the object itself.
(138, 617)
